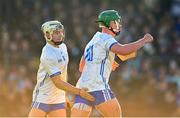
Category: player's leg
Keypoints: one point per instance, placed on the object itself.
(107, 104)
(57, 113)
(36, 113)
(110, 108)
(81, 108)
(37, 110)
(57, 110)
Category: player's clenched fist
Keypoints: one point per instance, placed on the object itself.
(84, 94)
(148, 38)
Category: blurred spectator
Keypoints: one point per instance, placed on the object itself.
(175, 9)
(147, 78)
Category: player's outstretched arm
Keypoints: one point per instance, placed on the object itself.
(131, 47)
(69, 88)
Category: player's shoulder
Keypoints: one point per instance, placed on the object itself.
(63, 45)
(104, 37)
(47, 53)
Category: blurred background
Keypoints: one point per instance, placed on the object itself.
(148, 85)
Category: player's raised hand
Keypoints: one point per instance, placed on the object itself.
(84, 94)
(148, 38)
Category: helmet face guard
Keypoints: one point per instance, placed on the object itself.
(106, 17)
(50, 27)
(118, 27)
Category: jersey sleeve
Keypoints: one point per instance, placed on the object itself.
(109, 43)
(50, 65)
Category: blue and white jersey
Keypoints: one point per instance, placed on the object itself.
(53, 61)
(98, 62)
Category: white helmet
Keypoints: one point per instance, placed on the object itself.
(50, 26)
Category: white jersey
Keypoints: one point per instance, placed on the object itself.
(53, 61)
(98, 62)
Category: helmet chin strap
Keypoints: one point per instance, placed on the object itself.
(60, 42)
(57, 43)
(116, 33)
(117, 24)
(111, 29)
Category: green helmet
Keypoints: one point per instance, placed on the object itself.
(107, 16)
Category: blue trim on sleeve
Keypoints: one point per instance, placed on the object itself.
(112, 45)
(57, 73)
